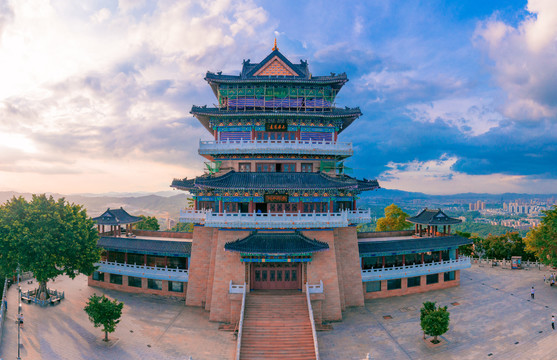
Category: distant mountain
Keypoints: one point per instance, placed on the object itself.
(96, 204)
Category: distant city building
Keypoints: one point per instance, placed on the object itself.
(524, 208)
(477, 206)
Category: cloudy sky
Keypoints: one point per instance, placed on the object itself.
(457, 96)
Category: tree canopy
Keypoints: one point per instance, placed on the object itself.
(542, 240)
(182, 227)
(48, 237)
(434, 321)
(395, 219)
(103, 312)
(148, 223)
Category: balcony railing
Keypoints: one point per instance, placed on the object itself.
(149, 272)
(275, 220)
(308, 147)
(398, 272)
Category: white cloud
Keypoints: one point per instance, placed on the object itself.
(437, 177)
(101, 15)
(472, 116)
(525, 60)
(86, 89)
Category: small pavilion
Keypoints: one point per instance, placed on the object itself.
(429, 221)
(116, 218)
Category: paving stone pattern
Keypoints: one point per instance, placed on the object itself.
(172, 330)
(494, 315)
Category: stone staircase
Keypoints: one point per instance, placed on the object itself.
(276, 326)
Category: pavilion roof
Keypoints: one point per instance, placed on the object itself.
(145, 246)
(298, 73)
(116, 217)
(433, 217)
(275, 181)
(204, 114)
(276, 244)
(380, 247)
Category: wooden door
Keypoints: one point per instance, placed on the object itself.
(275, 276)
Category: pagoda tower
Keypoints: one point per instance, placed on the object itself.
(276, 208)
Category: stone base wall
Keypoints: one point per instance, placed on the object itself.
(132, 289)
(324, 266)
(405, 290)
(199, 266)
(350, 271)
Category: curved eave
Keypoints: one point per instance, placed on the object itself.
(276, 244)
(431, 223)
(232, 79)
(204, 115)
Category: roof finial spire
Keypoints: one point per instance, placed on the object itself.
(275, 47)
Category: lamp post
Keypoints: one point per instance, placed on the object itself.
(18, 316)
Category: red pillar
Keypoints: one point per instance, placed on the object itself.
(166, 261)
(383, 261)
(331, 206)
(145, 259)
(403, 259)
(195, 204)
(354, 204)
(220, 206)
(336, 136)
(216, 133)
(251, 208)
(422, 258)
(126, 257)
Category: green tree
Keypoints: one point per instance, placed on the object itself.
(542, 240)
(427, 307)
(148, 223)
(505, 246)
(434, 321)
(103, 312)
(47, 237)
(395, 219)
(183, 227)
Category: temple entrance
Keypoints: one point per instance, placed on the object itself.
(261, 207)
(276, 276)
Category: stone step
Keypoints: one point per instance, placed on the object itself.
(276, 326)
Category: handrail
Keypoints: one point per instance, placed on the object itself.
(143, 267)
(461, 259)
(276, 220)
(311, 319)
(276, 146)
(241, 323)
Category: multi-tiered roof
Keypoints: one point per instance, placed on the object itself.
(275, 146)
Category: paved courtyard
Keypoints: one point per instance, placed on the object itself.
(492, 317)
(152, 327)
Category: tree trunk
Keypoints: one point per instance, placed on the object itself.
(106, 336)
(435, 341)
(42, 293)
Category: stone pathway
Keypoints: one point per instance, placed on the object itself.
(152, 327)
(492, 318)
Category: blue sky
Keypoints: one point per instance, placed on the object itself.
(457, 96)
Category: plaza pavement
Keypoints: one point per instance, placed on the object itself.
(492, 318)
(152, 327)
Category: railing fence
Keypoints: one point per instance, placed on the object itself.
(312, 320)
